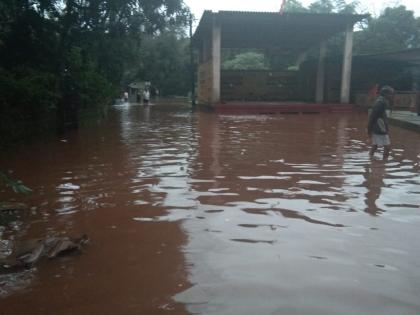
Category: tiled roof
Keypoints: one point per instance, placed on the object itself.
(294, 31)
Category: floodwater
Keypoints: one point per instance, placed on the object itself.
(199, 213)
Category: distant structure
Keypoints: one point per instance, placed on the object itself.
(285, 35)
(136, 89)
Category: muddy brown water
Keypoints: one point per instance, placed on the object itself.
(199, 213)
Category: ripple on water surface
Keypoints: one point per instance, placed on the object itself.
(282, 214)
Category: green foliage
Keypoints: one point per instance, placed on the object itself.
(16, 185)
(62, 56)
(23, 87)
(294, 6)
(82, 81)
(333, 6)
(395, 29)
(336, 43)
(322, 6)
(246, 61)
(164, 60)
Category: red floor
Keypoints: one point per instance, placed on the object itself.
(238, 107)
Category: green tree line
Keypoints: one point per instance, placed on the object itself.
(60, 56)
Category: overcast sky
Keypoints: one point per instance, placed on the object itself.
(367, 6)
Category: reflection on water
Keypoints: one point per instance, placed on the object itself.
(281, 214)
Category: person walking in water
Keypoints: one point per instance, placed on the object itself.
(146, 97)
(378, 125)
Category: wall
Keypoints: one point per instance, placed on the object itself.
(259, 85)
(365, 74)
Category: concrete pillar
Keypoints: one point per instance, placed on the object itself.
(215, 56)
(347, 59)
(301, 58)
(320, 75)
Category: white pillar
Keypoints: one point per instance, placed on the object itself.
(320, 75)
(347, 59)
(301, 58)
(215, 56)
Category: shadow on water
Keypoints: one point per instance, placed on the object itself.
(201, 213)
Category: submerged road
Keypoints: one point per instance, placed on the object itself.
(199, 213)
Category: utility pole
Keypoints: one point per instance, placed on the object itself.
(283, 3)
(192, 68)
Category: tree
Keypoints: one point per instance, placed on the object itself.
(333, 6)
(246, 61)
(294, 6)
(335, 45)
(60, 56)
(395, 29)
(321, 6)
(164, 60)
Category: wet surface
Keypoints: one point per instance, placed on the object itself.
(215, 214)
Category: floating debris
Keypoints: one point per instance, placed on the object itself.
(27, 254)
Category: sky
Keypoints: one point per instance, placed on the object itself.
(373, 7)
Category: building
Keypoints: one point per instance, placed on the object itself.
(287, 34)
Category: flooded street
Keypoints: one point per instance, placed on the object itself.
(200, 213)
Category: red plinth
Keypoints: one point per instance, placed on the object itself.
(238, 107)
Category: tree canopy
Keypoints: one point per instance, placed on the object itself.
(333, 6)
(249, 60)
(59, 56)
(395, 29)
(164, 60)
